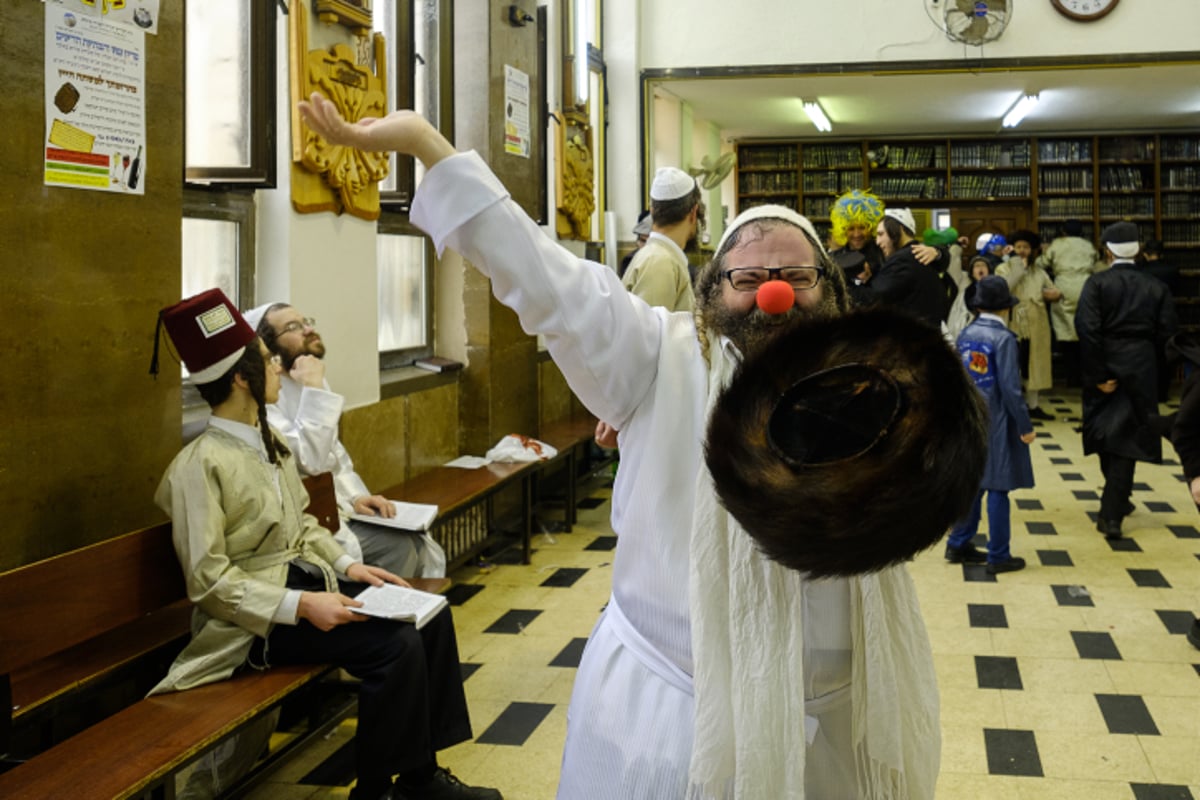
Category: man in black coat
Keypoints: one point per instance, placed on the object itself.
(1183, 427)
(1124, 318)
(909, 278)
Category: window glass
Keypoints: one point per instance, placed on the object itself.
(218, 84)
(402, 292)
(210, 257)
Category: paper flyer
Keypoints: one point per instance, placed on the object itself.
(95, 101)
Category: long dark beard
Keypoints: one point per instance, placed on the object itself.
(752, 331)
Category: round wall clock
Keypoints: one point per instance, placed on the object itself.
(1084, 10)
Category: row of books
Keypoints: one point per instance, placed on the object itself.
(980, 186)
(1181, 178)
(933, 187)
(980, 154)
(1126, 149)
(1065, 180)
(758, 157)
(767, 182)
(1065, 207)
(1049, 231)
(831, 155)
(832, 181)
(914, 157)
(1180, 205)
(1123, 179)
(1127, 206)
(817, 206)
(1181, 234)
(789, 202)
(1064, 151)
(1181, 148)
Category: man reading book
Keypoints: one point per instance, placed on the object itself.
(307, 415)
(271, 587)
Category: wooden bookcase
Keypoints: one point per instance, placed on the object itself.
(1147, 178)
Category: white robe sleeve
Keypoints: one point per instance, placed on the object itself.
(604, 340)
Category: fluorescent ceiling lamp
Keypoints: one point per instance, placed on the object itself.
(1020, 108)
(817, 115)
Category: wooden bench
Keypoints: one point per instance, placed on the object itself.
(457, 492)
(572, 437)
(73, 622)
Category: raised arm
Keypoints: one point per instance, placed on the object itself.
(403, 131)
(605, 341)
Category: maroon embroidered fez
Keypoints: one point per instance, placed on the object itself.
(208, 332)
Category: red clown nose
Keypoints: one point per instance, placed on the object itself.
(775, 297)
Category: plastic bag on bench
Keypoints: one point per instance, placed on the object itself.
(516, 448)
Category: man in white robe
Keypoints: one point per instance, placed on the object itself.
(836, 696)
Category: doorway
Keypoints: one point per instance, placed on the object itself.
(972, 221)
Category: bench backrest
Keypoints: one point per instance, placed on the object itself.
(59, 602)
(65, 600)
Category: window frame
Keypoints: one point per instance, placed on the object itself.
(392, 223)
(261, 172)
(402, 72)
(218, 203)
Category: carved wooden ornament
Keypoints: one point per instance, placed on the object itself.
(327, 177)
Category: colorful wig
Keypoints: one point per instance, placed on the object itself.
(855, 208)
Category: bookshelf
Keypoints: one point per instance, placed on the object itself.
(1151, 179)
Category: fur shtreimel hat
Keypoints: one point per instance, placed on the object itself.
(849, 444)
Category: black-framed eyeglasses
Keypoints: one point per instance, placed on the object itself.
(747, 279)
(297, 325)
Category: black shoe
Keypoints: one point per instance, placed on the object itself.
(1038, 413)
(967, 554)
(444, 786)
(1111, 528)
(1193, 635)
(1013, 564)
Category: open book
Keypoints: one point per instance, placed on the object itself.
(399, 602)
(409, 516)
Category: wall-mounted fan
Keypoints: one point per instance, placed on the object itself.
(712, 171)
(975, 21)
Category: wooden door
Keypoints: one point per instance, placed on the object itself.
(972, 221)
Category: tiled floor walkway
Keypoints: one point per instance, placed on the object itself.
(1071, 679)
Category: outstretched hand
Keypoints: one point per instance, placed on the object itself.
(403, 131)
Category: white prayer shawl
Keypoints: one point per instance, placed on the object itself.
(748, 644)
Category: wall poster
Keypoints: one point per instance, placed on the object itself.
(516, 112)
(95, 100)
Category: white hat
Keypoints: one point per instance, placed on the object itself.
(770, 212)
(982, 241)
(904, 217)
(1121, 238)
(254, 316)
(671, 184)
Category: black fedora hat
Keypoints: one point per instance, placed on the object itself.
(992, 294)
(848, 444)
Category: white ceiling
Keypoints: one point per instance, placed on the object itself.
(861, 105)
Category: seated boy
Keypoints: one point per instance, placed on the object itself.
(273, 587)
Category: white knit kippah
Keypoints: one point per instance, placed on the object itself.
(671, 184)
(904, 217)
(255, 315)
(770, 212)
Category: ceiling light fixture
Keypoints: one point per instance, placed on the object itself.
(1019, 109)
(817, 115)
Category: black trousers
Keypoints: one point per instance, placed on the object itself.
(410, 703)
(1118, 485)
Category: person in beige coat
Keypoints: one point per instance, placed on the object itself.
(272, 587)
(1070, 260)
(1030, 319)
